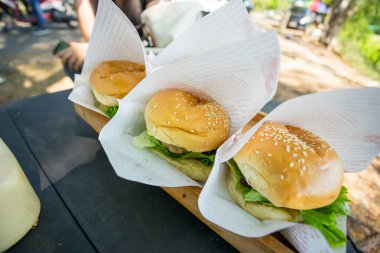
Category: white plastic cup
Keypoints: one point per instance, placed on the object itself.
(19, 204)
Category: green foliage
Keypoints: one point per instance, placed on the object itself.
(272, 4)
(360, 43)
(327, 2)
(371, 49)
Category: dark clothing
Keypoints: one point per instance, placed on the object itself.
(131, 8)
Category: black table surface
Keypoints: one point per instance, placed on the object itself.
(85, 206)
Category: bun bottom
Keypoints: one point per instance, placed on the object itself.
(190, 167)
(260, 211)
(104, 99)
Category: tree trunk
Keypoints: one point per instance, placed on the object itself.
(339, 12)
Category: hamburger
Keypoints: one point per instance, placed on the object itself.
(185, 130)
(112, 80)
(287, 173)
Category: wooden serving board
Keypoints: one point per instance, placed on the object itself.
(188, 197)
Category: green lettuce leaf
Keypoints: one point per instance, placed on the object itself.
(340, 205)
(144, 140)
(250, 194)
(243, 189)
(254, 196)
(324, 219)
(110, 111)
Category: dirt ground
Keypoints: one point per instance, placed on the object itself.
(27, 68)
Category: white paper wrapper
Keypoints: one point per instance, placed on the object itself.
(113, 38)
(226, 25)
(348, 120)
(242, 73)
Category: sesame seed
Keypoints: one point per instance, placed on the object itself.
(168, 122)
(192, 130)
(282, 177)
(257, 152)
(155, 106)
(303, 168)
(295, 155)
(269, 154)
(291, 165)
(275, 143)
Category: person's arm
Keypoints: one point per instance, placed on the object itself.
(74, 55)
(86, 17)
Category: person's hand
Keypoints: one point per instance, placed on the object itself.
(74, 55)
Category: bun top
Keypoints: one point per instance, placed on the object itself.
(179, 118)
(116, 78)
(291, 167)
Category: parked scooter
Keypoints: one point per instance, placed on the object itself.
(61, 11)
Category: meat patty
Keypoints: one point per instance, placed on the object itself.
(175, 149)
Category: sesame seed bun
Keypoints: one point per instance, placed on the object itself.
(112, 80)
(181, 119)
(291, 167)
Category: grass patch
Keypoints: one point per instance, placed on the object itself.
(351, 54)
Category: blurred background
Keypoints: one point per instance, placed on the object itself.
(326, 45)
